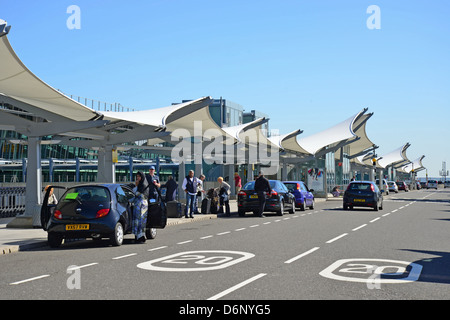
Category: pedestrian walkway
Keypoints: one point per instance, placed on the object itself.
(14, 240)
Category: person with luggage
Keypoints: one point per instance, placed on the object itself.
(189, 186)
(140, 207)
(224, 196)
(171, 189)
(200, 192)
(262, 186)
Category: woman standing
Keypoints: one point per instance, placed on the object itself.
(140, 207)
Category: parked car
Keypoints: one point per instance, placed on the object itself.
(447, 184)
(432, 184)
(90, 211)
(303, 196)
(423, 184)
(393, 186)
(385, 188)
(402, 186)
(279, 200)
(363, 194)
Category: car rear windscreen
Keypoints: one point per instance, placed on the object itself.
(360, 186)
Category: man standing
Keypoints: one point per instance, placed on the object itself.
(153, 185)
(262, 186)
(190, 187)
(224, 196)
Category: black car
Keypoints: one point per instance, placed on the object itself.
(279, 200)
(90, 211)
(363, 194)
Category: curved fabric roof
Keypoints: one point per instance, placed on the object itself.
(18, 82)
(396, 157)
(338, 133)
(288, 142)
(416, 165)
(362, 145)
(169, 118)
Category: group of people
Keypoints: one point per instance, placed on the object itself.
(147, 191)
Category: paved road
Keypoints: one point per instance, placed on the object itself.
(400, 252)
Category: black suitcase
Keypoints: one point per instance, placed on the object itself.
(157, 216)
(214, 206)
(206, 206)
(174, 209)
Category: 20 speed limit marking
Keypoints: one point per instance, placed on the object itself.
(206, 260)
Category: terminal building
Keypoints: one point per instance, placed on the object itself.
(50, 137)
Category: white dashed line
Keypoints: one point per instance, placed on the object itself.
(159, 248)
(125, 256)
(234, 288)
(184, 242)
(361, 226)
(28, 280)
(302, 255)
(337, 238)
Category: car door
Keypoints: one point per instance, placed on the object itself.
(123, 206)
(305, 194)
(47, 209)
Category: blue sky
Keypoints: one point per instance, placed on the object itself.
(307, 64)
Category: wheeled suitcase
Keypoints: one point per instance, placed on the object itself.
(174, 209)
(206, 206)
(157, 216)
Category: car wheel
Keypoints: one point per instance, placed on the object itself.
(302, 206)
(292, 210)
(150, 233)
(241, 213)
(312, 205)
(116, 237)
(54, 240)
(376, 207)
(281, 211)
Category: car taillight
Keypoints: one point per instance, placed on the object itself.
(372, 188)
(241, 193)
(273, 193)
(57, 214)
(298, 186)
(101, 213)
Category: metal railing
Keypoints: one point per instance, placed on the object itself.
(12, 201)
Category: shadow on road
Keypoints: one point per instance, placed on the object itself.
(435, 270)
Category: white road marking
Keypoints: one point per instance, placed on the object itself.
(240, 229)
(222, 233)
(206, 237)
(374, 220)
(125, 256)
(302, 255)
(183, 242)
(337, 238)
(386, 214)
(361, 226)
(31, 279)
(159, 248)
(254, 226)
(79, 267)
(238, 286)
